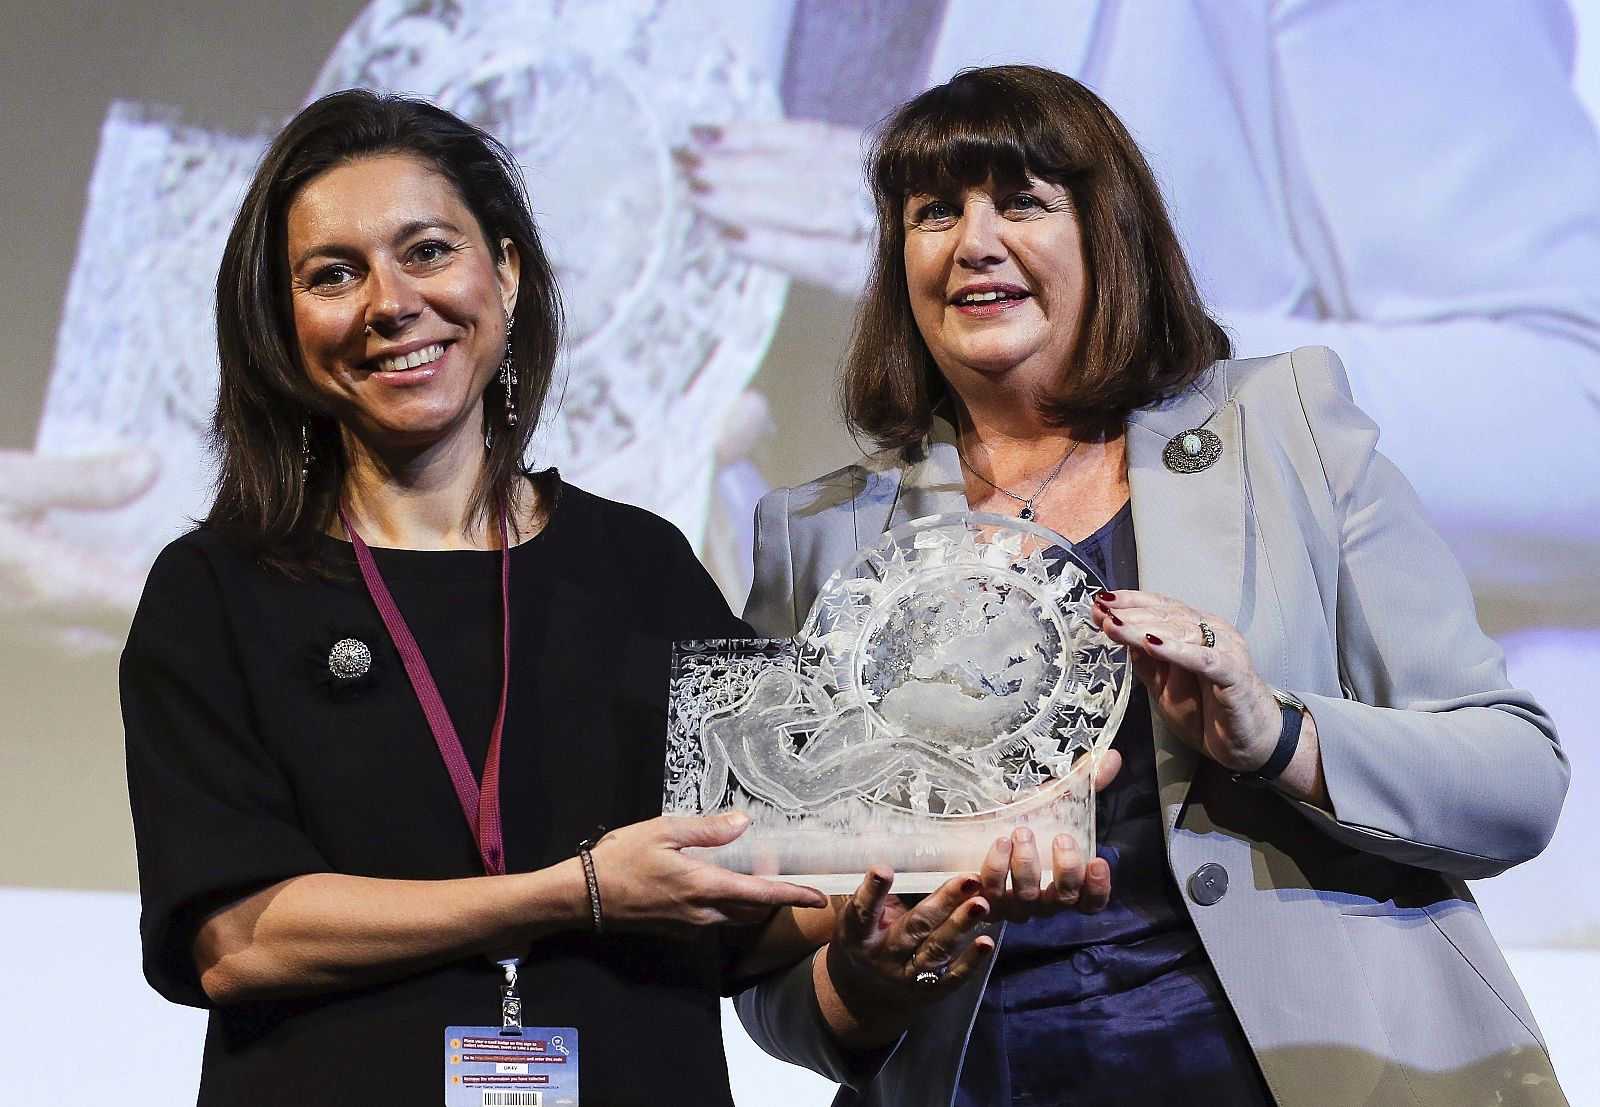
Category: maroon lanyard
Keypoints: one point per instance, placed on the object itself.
(481, 806)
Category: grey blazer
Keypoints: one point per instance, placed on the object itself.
(1350, 948)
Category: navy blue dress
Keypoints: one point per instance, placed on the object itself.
(1122, 1007)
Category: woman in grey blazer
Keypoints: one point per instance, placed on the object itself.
(1324, 746)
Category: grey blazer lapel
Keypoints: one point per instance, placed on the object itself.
(1190, 531)
(932, 483)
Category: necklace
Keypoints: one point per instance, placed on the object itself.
(1027, 511)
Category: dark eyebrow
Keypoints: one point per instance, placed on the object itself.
(413, 227)
(417, 226)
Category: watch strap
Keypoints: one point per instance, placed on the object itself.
(1294, 714)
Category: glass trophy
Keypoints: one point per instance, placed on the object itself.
(948, 686)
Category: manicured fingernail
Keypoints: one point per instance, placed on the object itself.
(1153, 640)
(1106, 597)
(1115, 620)
(706, 134)
(970, 886)
(977, 909)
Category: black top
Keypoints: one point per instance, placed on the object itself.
(1121, 1007)
(249, 762)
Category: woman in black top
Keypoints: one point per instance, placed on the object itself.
(313, 839)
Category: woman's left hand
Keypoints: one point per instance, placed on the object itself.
(1012, 870)
(1211, 697)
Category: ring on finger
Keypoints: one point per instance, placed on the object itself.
(928, 977)
(1208, 637)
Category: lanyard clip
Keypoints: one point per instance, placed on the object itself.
(510, 1002)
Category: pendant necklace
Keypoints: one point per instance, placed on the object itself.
(1027, 513)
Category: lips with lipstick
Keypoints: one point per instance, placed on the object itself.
(988, 299)
(399, 363)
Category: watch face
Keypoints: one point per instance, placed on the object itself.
(1287, 699)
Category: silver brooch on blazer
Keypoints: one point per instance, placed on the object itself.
(1192, 450)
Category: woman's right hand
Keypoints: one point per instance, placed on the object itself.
(867, 978)
(647, 884)
(742, 176)
(322, 932)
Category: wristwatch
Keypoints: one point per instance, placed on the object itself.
(1294, 714)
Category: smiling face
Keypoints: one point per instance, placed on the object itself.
(997, 283)
(400, 303)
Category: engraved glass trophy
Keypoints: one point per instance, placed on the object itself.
(948, 686)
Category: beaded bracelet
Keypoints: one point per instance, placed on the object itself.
(594, 882)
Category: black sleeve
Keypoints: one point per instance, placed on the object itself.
(214, 816)
(703, 611)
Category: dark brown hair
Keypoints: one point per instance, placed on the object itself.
(1144, 335)
(264, 398)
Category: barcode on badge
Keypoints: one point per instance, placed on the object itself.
(513, 1099)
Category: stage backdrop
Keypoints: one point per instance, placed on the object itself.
(1416, 184)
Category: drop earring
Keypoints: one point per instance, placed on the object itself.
(508, 379)
(305, 451)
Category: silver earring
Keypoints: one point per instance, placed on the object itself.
(305, 451)
(508, 379)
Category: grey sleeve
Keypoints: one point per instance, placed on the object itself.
(1430, 757)
(771, 606)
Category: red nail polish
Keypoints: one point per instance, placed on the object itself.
(1152, 639)
(1116, 620)
(970, 886)
(1106, 597)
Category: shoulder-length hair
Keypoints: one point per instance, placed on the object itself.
(1144, 334)
(267, 499)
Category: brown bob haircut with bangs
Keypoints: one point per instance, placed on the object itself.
(1144, 335)
(265, 401)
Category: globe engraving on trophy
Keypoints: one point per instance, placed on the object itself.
(948, 684)
(965, 658)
